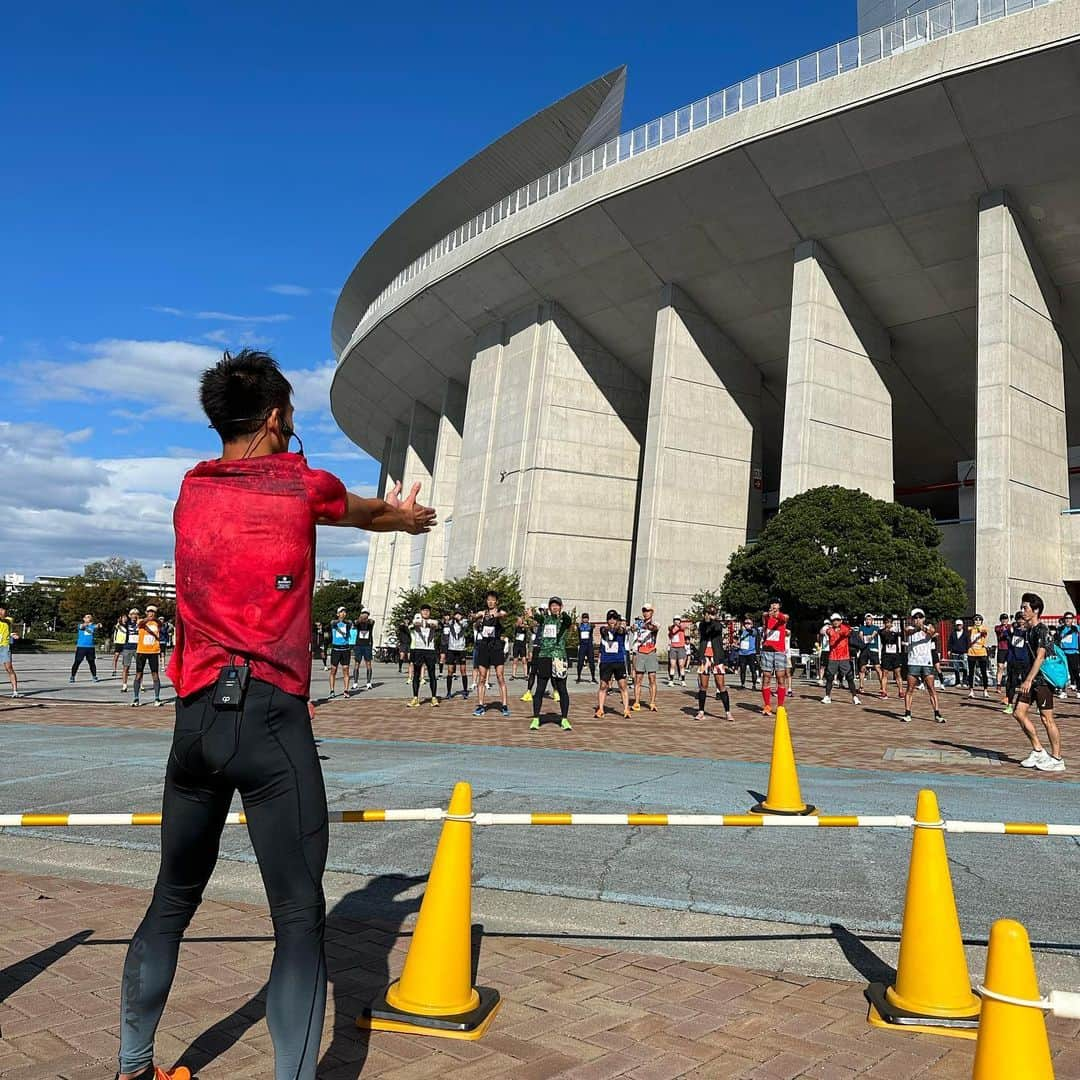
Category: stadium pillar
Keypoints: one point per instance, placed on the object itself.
(702, 447)
(381, 552)
(837, 409)
(1022, 480)
(419, 466)
(550, 461)
(444, 479)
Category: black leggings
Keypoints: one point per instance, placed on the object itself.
(843, 672)
(267, 753)
(584, 657)
(424, 658)
(84, 652)
(748, 663)
(1073, 660)
(979, 664)
(543, 668)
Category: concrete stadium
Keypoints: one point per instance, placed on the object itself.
(608, 356)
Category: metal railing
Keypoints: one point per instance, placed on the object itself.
(889, 40)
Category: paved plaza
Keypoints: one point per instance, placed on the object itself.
(619, 952)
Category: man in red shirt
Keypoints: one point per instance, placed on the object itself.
(774, 656)
(245, 568)
(839, 635)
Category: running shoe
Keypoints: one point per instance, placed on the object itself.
(414, 704)
(939, 718)
(564, 723)
(355, 686)
(71, 679)
(729, 716)
(535, 725)
(181, 1072)
(505, 710)
(826, 700)
(1050, 764)
(1008, 710)
(369, 687)
(599, 714)
(906, 718)
(527, 696)
(158, 703)
(346, 694)
(627, 715)
(883, 696)
(95, 679)
(15, 693)
(971, 694)
(478, 711)
(135, 703)
(329, 697)
(766, 710)
(855, 700)
(653, 708)
(636, 706)
(123, 689)
(700, 715)
(1033, 758)
(434, 702)
(671, 682)
(717, 695)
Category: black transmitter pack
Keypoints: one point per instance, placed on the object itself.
(231, 686)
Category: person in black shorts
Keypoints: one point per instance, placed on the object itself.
(423, 650)
(444, 643)
(892, 655)
(490, 651)
(457, 653)
(365, 639)
(403, 648)
(520, 651)
(1035, 689)
(613, 663)
(585, 648)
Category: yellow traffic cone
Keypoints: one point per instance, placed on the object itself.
(1012, 1042)
(784, 796)
(932, 992)
(435, 995)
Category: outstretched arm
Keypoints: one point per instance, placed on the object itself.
(392, 514)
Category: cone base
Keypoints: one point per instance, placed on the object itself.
(762, 808)
(382, 1016)
(884, 1014)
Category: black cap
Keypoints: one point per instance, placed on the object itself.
(613, 614)
(555, 600)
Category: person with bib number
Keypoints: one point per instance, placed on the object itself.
(490, 652)
(1036, 689)
(891, 655)
(84, 647)
(676, 656)
(711, 644)
(423, 648)
(1068, 637)
(551, 664)
(585, 648)
(646, 661)
(364, 629)
(613, 663)
(457, 652)
(920, 640)
(774, 656)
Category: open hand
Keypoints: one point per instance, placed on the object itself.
(414, 518)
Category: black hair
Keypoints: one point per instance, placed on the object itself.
(585, 615)
(239, 392)
(491, 592)
(1035, 600)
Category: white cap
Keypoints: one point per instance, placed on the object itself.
(959, 622)
(917, 611)
(836, 615)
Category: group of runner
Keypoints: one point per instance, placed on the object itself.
(143, 640)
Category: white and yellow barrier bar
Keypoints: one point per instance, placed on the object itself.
(768, 821)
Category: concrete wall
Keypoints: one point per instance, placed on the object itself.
(1021, 449)
(444, 480)
(419, 468)
(838, 409)
(958, 550)
(701, 446)
(550, 461)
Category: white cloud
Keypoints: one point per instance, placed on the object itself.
(289, 290)
(236, 336)
(160, 376)
(221, 316)
(67, 510)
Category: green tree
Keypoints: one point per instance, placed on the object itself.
(700, 601)
(466, 591)
(106, 599)
(114, 568)
(832, 548)
(334, 594)
(34, 607)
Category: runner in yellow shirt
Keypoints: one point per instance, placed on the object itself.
(148, 651)
(979, 636)
(6, 638)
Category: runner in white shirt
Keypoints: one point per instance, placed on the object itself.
(457, 653)
(646, 661)
(919, 638)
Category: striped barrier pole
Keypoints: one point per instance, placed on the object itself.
(633, 820)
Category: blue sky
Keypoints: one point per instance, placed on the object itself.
(182, 178)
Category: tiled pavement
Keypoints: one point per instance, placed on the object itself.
(839, 734)
(582, 1013)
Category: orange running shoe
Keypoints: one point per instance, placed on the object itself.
(653, 708)
(766, 711)
(599, 714)
(181, 1072)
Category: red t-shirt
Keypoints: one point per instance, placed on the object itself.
(840, 643)
(245, 568)
(776, 632)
